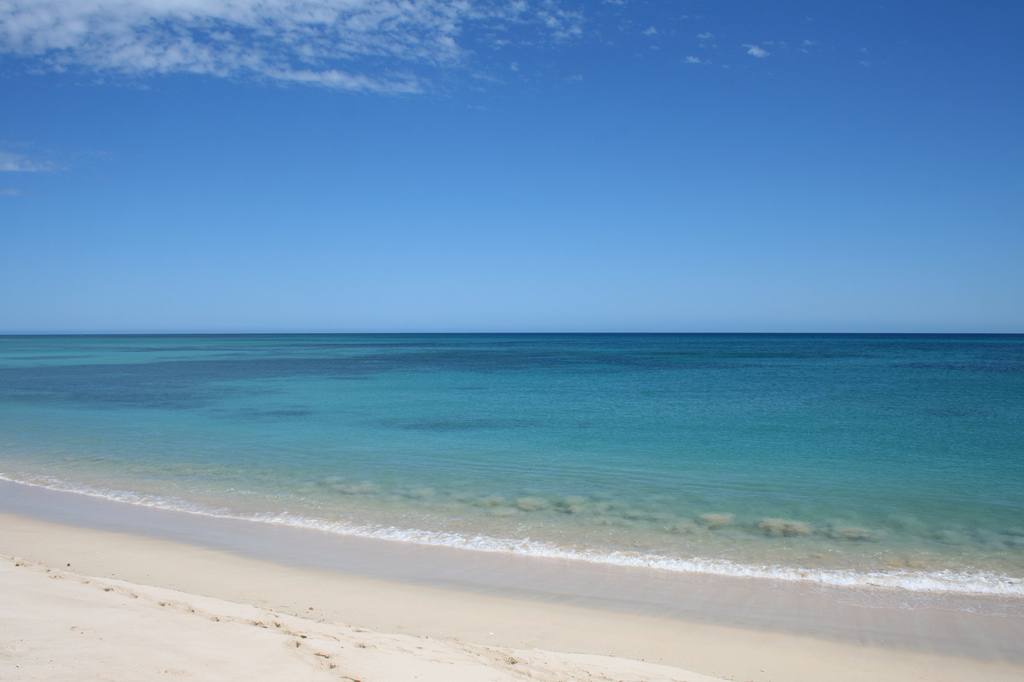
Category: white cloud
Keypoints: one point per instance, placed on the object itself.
(363, 45)
(706, 35)
(693, 60)
(651, 31)
(9, 161)
(755, 51)
(514, 66)
(10, 192)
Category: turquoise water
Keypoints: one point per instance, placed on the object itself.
(892, 460)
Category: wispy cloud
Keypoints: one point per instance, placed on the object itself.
(360, 45)
(755, 51)
(9, 161)
(651, 31)
(10, 192)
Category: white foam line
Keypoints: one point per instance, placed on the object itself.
(913, 581)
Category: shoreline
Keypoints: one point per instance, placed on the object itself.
(924, 587)
(731, 629)
(559, 641)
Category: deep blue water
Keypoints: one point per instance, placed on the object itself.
(842, 458)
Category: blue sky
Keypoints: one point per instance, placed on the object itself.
(376, 165)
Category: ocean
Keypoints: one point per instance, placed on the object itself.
(842, 460)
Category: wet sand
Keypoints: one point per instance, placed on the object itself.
(470, 612)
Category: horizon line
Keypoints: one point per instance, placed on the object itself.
(508, 333)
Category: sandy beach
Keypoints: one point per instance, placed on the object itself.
(61, 625)
(85, 603)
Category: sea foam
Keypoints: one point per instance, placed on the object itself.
(944, 582)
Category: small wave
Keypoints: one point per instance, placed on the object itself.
(949, 582)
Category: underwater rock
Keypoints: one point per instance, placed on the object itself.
(782, 528)
(849, 533)
(529, 504)
(713, 521)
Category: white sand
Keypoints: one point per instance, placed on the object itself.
(133, 608)
(58, 625)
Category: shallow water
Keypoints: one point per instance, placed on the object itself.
(847, 460)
